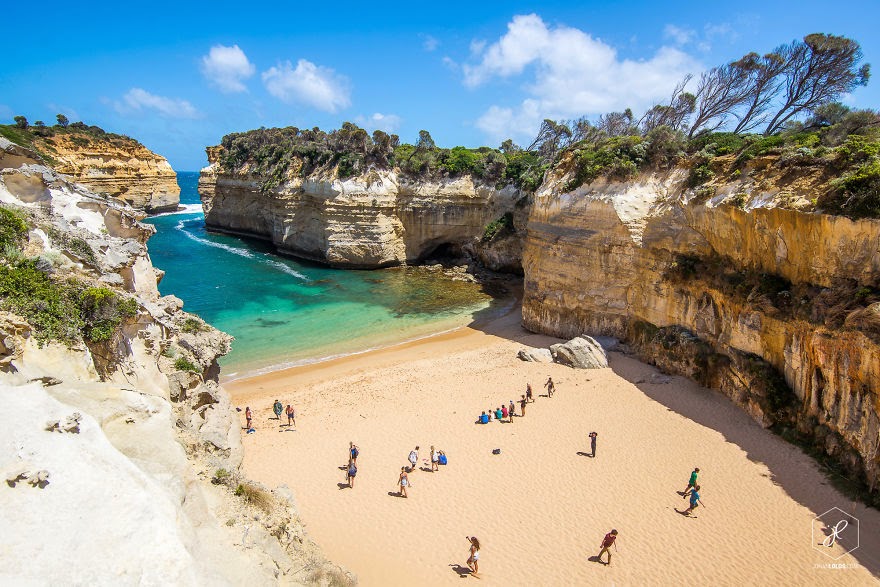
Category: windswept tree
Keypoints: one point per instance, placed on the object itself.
(583, 130)
(673, 115)
(618, 124)
(62, 120)
(552, 137)
(817, 70)
(762, 83)
(20, 121)
(719, 92)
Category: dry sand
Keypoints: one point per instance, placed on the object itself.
(541, 507)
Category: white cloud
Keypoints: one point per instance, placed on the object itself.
(139, 100)
(227, 68)
(430, 43)
(310, 84)
(387, 122)
(679, 35)
(574, 75)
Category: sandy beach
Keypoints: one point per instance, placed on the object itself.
(541, 507)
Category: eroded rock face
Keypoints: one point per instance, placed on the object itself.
(119, 168)
(599, 260)
(374, 220)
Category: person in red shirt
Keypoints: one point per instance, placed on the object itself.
(609, 539)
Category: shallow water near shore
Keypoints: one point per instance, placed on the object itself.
(283, 312)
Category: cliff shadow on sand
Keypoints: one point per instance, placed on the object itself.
(788, 466)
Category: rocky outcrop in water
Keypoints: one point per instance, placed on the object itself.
(123, 443)
(114, 166)
(376, 219)
(770, 304)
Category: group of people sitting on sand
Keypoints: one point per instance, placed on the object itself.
(506, 413)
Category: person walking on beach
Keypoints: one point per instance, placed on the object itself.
(277, 408)
(522, 407)
(692, 482)
(593, 436)
(352, 471)
(353, 452)
(551, 387)
(248, 417)
(512, 410)
(403, 481)
(529, 392)
(413, 458)
(473, 561)
(291, 415)
(609, 539)
(695, 500)
(435, 459)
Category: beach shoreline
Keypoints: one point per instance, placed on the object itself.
(541, 507)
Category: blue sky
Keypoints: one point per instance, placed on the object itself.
(178, 76)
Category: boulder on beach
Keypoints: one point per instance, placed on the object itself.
(535, 355)
(581, 352)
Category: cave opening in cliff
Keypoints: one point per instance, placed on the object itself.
(445, 254)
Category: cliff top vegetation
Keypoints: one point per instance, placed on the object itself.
(276, 154)
(790, 92)
(44, 139)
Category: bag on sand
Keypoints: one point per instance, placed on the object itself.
(496, 451)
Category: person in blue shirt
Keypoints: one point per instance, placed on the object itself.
(484, 419)
(695, 499)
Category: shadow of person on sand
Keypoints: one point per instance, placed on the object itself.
(395, 494)
(463, 572)
(806, 485)
(426, 469)
(596, 559)
(343, 485)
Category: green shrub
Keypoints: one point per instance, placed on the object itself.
(103, 311)
(192, 325)
(857, 194)
(505, 223)
(184, 364)
(720, 143)
(616, 157)
(53, 310)
(13, 228)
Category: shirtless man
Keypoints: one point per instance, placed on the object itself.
(551, 387)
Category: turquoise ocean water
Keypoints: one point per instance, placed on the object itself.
(284, 312)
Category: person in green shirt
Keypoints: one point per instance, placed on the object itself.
(692, 482)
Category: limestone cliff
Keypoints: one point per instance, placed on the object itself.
(121, 443)
(112, 165)
(376, 219)
(746, 291)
